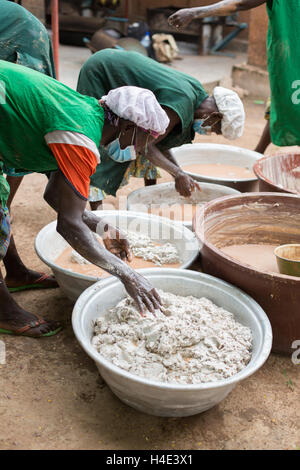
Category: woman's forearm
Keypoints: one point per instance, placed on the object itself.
(222, 8)
(163, 160)
(81, 239)
(95, 224)
(225, 7)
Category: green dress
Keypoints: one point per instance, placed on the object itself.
(33, 105)
(109, 69)
(284, 70)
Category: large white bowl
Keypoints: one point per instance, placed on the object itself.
(49, 245)
(166, 194)
(192, 154)
(158, 398)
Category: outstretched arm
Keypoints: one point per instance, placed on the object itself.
(226, 7)
(184, 184)
(74, 229)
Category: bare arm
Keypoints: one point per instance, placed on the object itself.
(74, 229)
(265, 139)
(226, 7)
(184, 184)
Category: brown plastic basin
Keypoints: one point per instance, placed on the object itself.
(255, 218)
(279, 173)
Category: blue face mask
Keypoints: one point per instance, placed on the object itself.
(200, 129)
(118, 155)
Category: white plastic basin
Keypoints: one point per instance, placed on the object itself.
(49, 245)
(166, 194)
(158, 398)
(192, 154)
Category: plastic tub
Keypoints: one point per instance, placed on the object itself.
(192, 154)
(158, 398)
(279, 173)
(49, 245)
(255, 218)
(166, 194)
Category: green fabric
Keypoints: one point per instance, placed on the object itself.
(110, 68)
(24, 39)
(4, 188)
(109, 174)
(283, 62)
(33, 105)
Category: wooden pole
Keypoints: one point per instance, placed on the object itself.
(127, 9)
(55, 34)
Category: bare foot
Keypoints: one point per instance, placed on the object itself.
(16, 320)
(28, 277)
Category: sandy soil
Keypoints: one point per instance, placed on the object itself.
(52, 397)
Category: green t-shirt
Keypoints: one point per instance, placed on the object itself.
(33, 104)
(283, 63)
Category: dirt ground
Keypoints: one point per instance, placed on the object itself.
(52, 397)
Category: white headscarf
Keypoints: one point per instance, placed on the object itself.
(232, 108)
(139, 106)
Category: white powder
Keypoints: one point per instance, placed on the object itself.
(142, 247)
(193, 341)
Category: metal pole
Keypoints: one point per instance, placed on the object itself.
(55, 34)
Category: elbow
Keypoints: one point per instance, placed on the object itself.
(248, 4)
(61, 227)
(67, 227)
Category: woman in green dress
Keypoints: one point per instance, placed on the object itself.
(42, 130)
(185, 101)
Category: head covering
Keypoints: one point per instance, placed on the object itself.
(139, 106)
(232, 108)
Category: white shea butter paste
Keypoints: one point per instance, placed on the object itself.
(191, 342)
(143, 247)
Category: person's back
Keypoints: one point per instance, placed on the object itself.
(33, 105)
(24, 39)
(110, 68)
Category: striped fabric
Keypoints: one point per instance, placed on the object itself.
(4, 231)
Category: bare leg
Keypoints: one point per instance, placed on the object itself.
(13, 317)
(96, 205)
(265, 139)
(14, 183)
(150, 182)
(17, 274)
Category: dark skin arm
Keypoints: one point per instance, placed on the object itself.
(184, 184)
(226, 7)
(75, 225)
(265, 139)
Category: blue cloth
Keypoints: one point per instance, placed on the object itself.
(4, 231)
